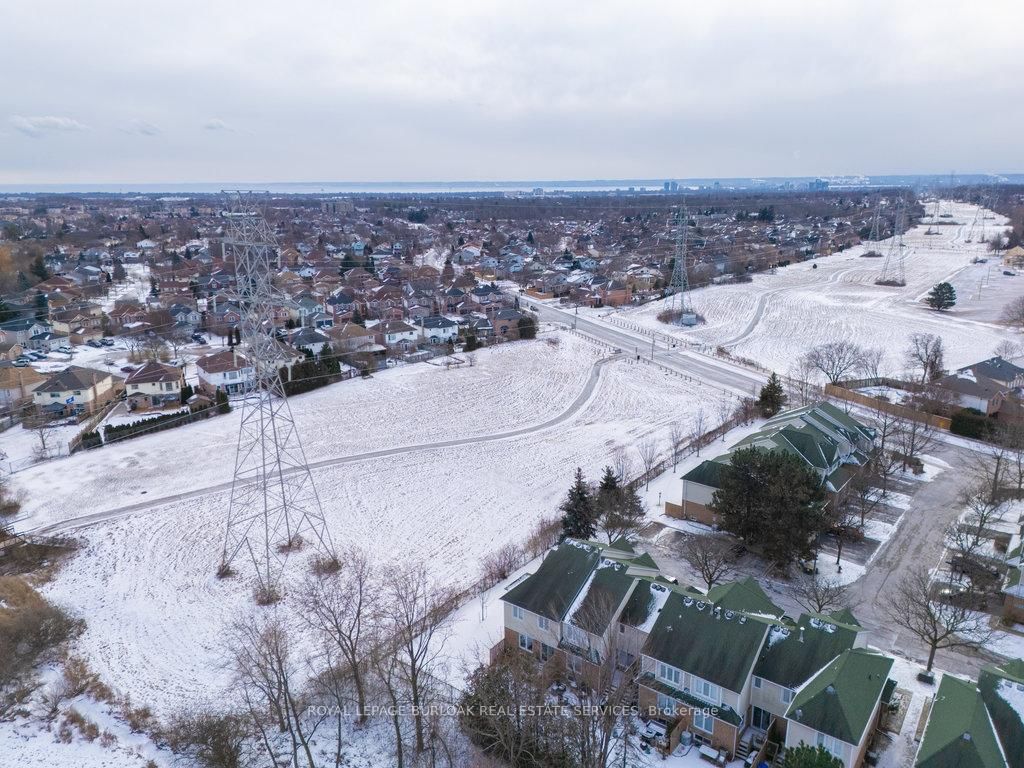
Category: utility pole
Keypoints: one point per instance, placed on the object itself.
(274, 508)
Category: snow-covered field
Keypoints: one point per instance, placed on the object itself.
(776, 318)
(145, 581)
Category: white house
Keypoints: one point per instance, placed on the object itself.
(229, 371)
(155, 385)
(438, 330)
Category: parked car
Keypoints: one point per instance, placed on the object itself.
(64, 348)
(93, 343)
(128, 369)
(20, 363)
(107, 342)
(198, 339)
(1009, 272)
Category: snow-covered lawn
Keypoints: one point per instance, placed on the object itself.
(146, 584)
(776, 318)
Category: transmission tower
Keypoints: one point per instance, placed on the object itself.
(679, 287)
(274, 505)
(893, 272)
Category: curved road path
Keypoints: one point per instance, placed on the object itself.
(150, 503)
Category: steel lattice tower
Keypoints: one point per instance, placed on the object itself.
(876, 230)
(893, 272)
(274, 504)
(679, 287)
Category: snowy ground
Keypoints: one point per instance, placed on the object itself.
(145, 581)
(777, 317)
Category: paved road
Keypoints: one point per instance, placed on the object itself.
(720, 374)
(918, 541)
(151, 502)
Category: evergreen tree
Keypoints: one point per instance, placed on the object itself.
(38, 268)
(578, 513)
(23, 282)
(942, 296)
(772, 397)
(186, 393)
(357, 318)
(471, 343)
(622, 512)
(772, 501)
(527, 328)
(529, 237)
(42, 306)
(806, 756)
(223, 404)
(6, 313)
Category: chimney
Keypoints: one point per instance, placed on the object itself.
(801, 634)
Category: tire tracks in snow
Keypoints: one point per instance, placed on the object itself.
(150, 504)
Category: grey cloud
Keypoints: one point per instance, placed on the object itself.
(39, 125)
(216, 124)
(141, 128)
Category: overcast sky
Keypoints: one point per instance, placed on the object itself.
(338, 90)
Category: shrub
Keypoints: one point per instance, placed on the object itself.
(29, 627)
(500, 564)
(212, 739)
(970, 422)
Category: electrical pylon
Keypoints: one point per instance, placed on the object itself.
(893, 272)
(274, 506)
(876, 230)
(679, 286)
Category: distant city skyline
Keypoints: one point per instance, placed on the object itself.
(400, 91)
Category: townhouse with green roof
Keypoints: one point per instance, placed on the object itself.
(976, 725)
(792, 655)
(1013, 588)
(831, 442)
(840, 707)
(569, 608)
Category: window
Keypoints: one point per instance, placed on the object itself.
(542, 622)
(708, 691)
(757, 682)
(787, 695)
(669, 674)
(834, 746)
(546, 651)
(575, 663)
(666, 704)
(703, 720)
(517, 612)
(526, 642)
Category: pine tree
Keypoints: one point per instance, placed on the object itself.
(942, 296)
(223, 404)
(357, 318)
(38, 268)
(578, 513)
(625, 516)
(186, 393)
(772, 397)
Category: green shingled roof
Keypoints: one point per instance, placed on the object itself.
(744, 595)
(604, 593)
(840, 699)
(719, 647)
(708, 472)
(959, 733)
(791, 659)
(551, 590)
(997, 686)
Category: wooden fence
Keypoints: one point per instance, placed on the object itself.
(842, 393)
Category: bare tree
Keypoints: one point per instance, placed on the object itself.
(1013, 312)
(870, 363)
(926, 353)
(387, 666)
(1009, 350)
(647, 450)
(264, 665)
(835, 359)
(47, 441)
(622, 464)
(915, 607)
(802, 390)
(415, 621)
(710, 556)
(862, 496)
(338, 609)
(1012, 436)
(913, 437)
(886, 460)
(676, 436)
(820, 594)
(845, 526)
(698, 428)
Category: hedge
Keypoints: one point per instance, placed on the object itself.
(155, 424)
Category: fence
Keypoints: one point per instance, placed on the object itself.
(89, 425)
(841, 392)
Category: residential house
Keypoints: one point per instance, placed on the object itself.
(227, 370)
(976, 725)
(506, 323)
(309, 340)
(77, 390)
(984, 386)
(840, 707)
(21, 330)
(154, 385)
(438, 330)
(393, 333)
(17, 385)
(831, 442)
